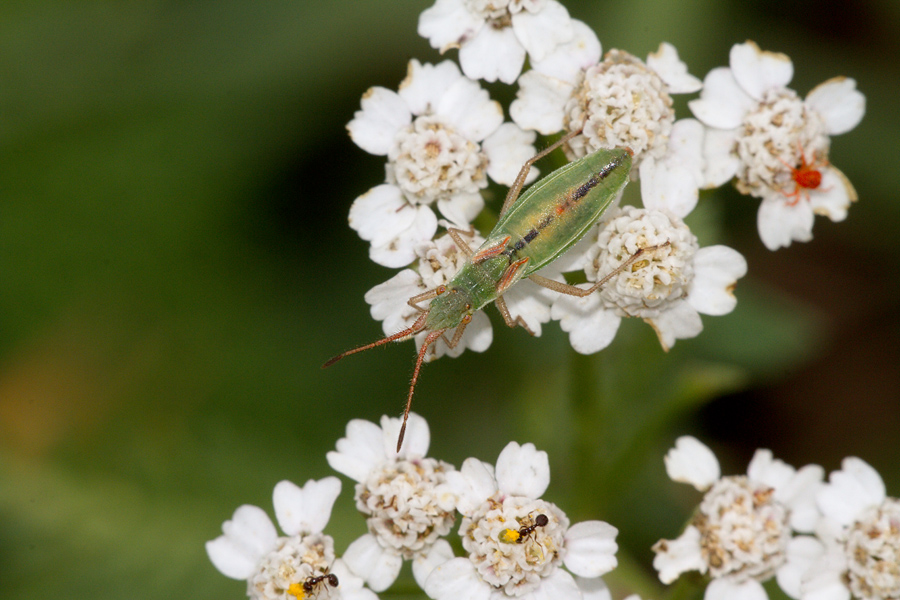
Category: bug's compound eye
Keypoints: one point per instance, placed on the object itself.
(440, 289)
(466, 319)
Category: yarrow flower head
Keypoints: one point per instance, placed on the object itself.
(619, 102)
(741, 534)
(443, 137)
(668, 287)
(776, 144)
(296, 566)
(858, 551)
(515, 541)
(493, 36)
(404, 495)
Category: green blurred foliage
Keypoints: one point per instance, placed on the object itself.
(176, 265)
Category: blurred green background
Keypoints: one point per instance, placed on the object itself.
(176, 265)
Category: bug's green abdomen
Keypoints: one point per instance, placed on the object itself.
(555, 212)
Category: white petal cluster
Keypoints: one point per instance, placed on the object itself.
(276, 568)
(511, 552)
(443, 136)
(857, 549)
(772, 141)
(405, 496)
(742, 532)
(494, 36)
(668, 287)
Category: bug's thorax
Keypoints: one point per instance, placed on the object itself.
(449, 308)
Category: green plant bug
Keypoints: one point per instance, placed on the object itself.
(533, 230)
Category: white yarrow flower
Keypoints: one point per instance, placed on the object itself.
(858, 553)
(619, 102)
(299, 565)
(668, 287)
(493, 36)
(408, 505)
(776, 144)
(516, 542)
(741, 533)
(443, 136)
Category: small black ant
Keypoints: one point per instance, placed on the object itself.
(311, 582)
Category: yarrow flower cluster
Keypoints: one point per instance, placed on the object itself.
(514, 542)
(821, 541)
(445, 139)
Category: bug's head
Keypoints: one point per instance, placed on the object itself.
(450, 308)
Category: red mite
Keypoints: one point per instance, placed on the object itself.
(807, 177)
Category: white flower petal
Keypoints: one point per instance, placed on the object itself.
(304, 511)
(691, 461)
(802, 551)
(526, 300)
(716, 270)
(591, 548)
(359, 452)
(523, 470)
(686, 143)
(839, 103)
(558, 585)
(728, 589)
(800, 496)
(456, 579)
(721, 161)
(387, 300)
(469, 109)
(779, 222)
(507, 150)
(401, 250)
(415, 441)
(672, 188)
(758, 71)
(448, 23)
(539, 102)
(461, 209)
(834, 196)
(765, 468)
(567, 60)
(674, 557)
(722, 103)
(590, 326)
(851, 490)
(492, 54)
(541, 32)
(381, 214)
(351, 586)
(248, 536)
(377, 566)
(672, 70)
(824, 579)
(679, 321)
(383, 114)
(423, 564)
(473, 483)
(426, 84)
(594, 588)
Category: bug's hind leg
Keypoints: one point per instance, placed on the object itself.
(573, 290)
(504, 311)
(516, 187)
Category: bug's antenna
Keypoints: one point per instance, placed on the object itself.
(413, 329)
(432, 337)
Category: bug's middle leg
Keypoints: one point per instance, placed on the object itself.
(573, 290)
(504, 311)
(456, 235)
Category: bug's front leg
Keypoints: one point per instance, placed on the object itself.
(573, 290)
(414, 301)
(504, 311)
(456, 235)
